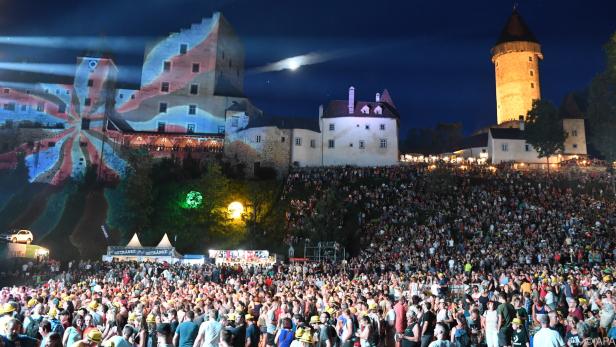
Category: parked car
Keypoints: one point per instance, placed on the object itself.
(21, 236)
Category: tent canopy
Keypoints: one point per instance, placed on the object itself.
(134, 242)
(165, 243)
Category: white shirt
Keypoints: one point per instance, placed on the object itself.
(547, 337)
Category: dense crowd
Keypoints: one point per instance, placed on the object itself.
(448, 257)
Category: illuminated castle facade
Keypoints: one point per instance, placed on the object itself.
(190, 100)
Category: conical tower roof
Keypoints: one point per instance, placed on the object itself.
(516, 30)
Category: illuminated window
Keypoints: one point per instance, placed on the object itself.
(183, 48)
(332, 126)
(162, 107)
(383, 143)
(298, 141)
(313, 143)
(167, 66)
(90, 83)
(190, 128)
(161, 127)
(192, 109)
(362, 144)
(87, 102)
(195, 67)
(164, 87)
(194, 89)
(331, 144)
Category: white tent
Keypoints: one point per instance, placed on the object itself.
(164, 243)
(134, 242)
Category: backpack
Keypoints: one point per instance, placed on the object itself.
(462, 339)
(33, 327)
(56, 327)
(376, 334)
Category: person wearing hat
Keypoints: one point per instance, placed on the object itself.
(93, 338)
(307, 339)
(253, 334)
(7, 312)
(519, 337)
(14, 338)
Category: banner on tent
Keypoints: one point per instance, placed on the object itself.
(140, 252)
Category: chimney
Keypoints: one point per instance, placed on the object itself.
(378, 97)
(351, 100)
(521, 123)
(321, 111)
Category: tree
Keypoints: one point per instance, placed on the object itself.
(139, 195)
(544, 130)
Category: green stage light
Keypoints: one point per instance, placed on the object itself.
(193, 199)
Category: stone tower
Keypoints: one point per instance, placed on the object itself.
(516, 57)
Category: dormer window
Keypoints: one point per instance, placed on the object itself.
(365, 109)
(378, 110)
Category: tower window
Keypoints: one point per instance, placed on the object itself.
(332, 127)
(183, 48)
(190, 129)
(162, 107)
(530, 58)
(167, 66)
(258, 139)
(62, 108)
(331, 144)
(194, 89)
(313, 143)
(90, 82)
(87, 102)
(192, 109)
(574, 132)
(382, 126)
(575, 145)
(195, 67)
(161, 127)
(235, 121)
(532, 85)
(164, 87)
(532, 73)
(362, 144)
(505, 147)
(298, 141)
(527, 147)
(383, 143)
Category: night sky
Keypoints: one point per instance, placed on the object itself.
(432, 56)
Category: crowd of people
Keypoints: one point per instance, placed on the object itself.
(448, 257)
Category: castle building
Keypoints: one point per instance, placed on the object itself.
(189, 101)
(516, 56)
(346, 132)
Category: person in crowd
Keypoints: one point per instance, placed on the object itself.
(186, 332)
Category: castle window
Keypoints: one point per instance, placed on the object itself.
(383, 143)
(40, 107)
(332, 126)
(331, 144)
(87, 102)
(378, 110)
(190, 129)
(282, 139)
(313, 143)
(382, 126)
(532, 73)
(365, 109)
(161, 127)
(362, 144)
(575, 145)
(530, 58)
(574, 132)
(167, 66)
(195, 67)
(90, 83)
(62, 108)
(367, 126)
(162, 107)
(183, 48)
(235, 121)
(527, 147)
(258, 139)
(132, 96)
(298, 141)
(10, 106)
(194, 89)
(504, 147)
(192, 109)
(351, 144)
(164, 87)
(532, 85)
(121, 96)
